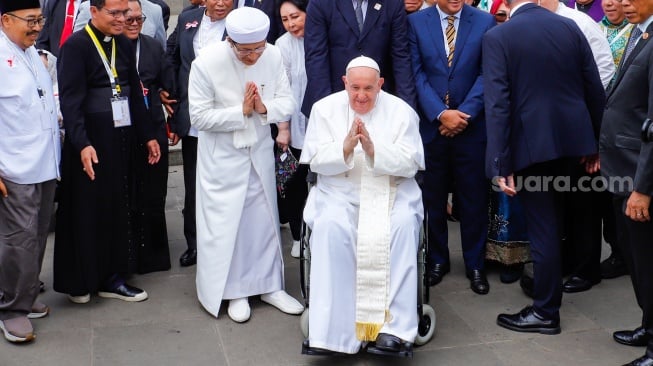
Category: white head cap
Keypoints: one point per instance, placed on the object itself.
(247, 25)
(363, 61)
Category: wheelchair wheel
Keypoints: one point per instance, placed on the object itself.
(426, 326)
(303, 323)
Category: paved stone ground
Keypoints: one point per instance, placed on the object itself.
(171, 328)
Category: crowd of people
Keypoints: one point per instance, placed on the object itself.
(490, 106)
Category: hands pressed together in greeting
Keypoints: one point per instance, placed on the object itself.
(358, 133)
(253, 102)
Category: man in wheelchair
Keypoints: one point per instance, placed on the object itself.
(365, 213)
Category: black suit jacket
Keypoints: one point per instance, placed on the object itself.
(543, 97)
(630, 102)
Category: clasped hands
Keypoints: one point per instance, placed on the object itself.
(358, 133)
(253, 102)
(453, 122)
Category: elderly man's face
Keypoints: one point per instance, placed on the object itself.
(363, 85)
(218, 9)
(110, 19)
(637, 11)
(23, 26)
(134, 20)
(248, 53)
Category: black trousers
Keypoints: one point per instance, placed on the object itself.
(636, 243)
(544, 213)
(291, 207)
(189, 155)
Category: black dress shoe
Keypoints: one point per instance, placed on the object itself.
(511, 273)
(636, 338)
(642, 361)
(124, 292)
(528, 320)
(478, 281)
(388, 342)
(436, 274)
(189, 258)
(613, 267)
(577, 284)
(314, 351)
(526, 284)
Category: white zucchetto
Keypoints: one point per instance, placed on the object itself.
(363, 61)
(247, 25)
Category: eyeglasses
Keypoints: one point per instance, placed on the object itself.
(132, 20)
(31, 22)
(244, 53)
(500, 16)
(117, 14)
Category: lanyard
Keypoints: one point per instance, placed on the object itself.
(29, 63)
(143, 88)
(111, 71)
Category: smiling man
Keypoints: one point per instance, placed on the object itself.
(104, 113)
(29, 165)
(236, 89)
(365, 213)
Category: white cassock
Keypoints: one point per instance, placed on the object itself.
(238, 240)
(332, 213)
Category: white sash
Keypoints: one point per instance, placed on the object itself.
(377, 196)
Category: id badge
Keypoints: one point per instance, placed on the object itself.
(120, 109)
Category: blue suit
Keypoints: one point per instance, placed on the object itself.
(457, 160)
(332, 39)
(544, 102)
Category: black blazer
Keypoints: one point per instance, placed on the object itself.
(630, 102)
(544, 98)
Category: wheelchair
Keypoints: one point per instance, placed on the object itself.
(426, 313)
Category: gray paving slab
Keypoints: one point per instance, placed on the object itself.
(171, 328)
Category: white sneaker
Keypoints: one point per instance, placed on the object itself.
(284, 302)
(294, 252)
(239, 310)
(83, 299)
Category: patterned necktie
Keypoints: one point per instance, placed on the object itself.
(450, 33)
(359, 14)
(632, 41)
(67, 29)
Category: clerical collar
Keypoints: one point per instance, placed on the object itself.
(99, 34)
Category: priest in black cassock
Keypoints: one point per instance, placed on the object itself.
(151, 177)
(105, 117)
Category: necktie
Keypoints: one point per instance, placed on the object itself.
(359, 14)
(450, 33)
(634, 36)
(68, 23)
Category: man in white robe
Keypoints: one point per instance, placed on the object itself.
(365, 147)
(236, 88)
